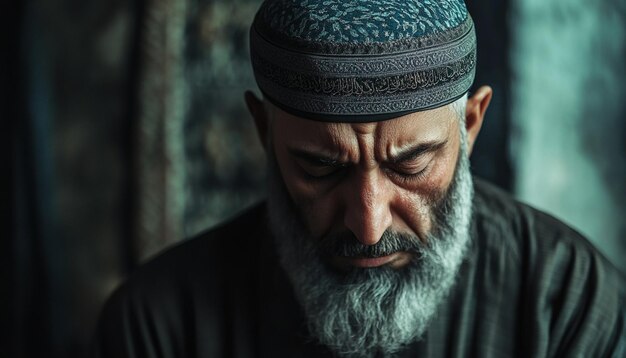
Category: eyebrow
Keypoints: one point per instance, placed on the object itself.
(404, 155)
(415, 151)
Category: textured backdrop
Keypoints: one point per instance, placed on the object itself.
(130, 133)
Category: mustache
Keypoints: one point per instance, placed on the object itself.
(345, 244)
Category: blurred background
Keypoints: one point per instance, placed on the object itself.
(124, 131)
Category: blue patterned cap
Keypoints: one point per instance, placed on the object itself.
(362, 60)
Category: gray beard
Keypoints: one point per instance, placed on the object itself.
(365, 312)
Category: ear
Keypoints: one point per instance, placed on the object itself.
(475, 113)
(257, 110)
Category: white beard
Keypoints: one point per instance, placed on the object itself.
(380, 310)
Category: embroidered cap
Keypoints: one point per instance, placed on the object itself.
(362, 60)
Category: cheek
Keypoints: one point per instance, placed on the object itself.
(319, 212)
(440, 177)
(414, 206)
(318, 208)
(441, 173)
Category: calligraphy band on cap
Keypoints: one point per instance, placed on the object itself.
(362, 82)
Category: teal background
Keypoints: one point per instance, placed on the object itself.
(568, 109)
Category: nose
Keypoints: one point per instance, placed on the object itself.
(368, 211)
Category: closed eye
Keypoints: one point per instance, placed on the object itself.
(414, 153)
(317, 166)
(410, 170)
(410, 174)
(413, 163)
(320, 171)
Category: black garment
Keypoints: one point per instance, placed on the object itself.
(530, 287)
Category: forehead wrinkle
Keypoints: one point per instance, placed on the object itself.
(343, 141)
(316, 137)
(348, 141)
(332, 140)
(416, 128)
(368, 136)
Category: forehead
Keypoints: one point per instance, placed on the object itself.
(424, 126)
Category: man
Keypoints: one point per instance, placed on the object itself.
(375, 240)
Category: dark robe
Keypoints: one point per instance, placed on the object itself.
(529, 287)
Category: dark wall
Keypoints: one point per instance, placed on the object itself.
(69, 82)
(490, 158)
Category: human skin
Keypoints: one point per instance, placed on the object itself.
(367, 178)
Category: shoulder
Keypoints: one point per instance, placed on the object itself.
(532, 239)
(210, 254)
(181, 292)
(525, 232)
(572, 292)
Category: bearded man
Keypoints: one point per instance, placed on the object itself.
(375, 240)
